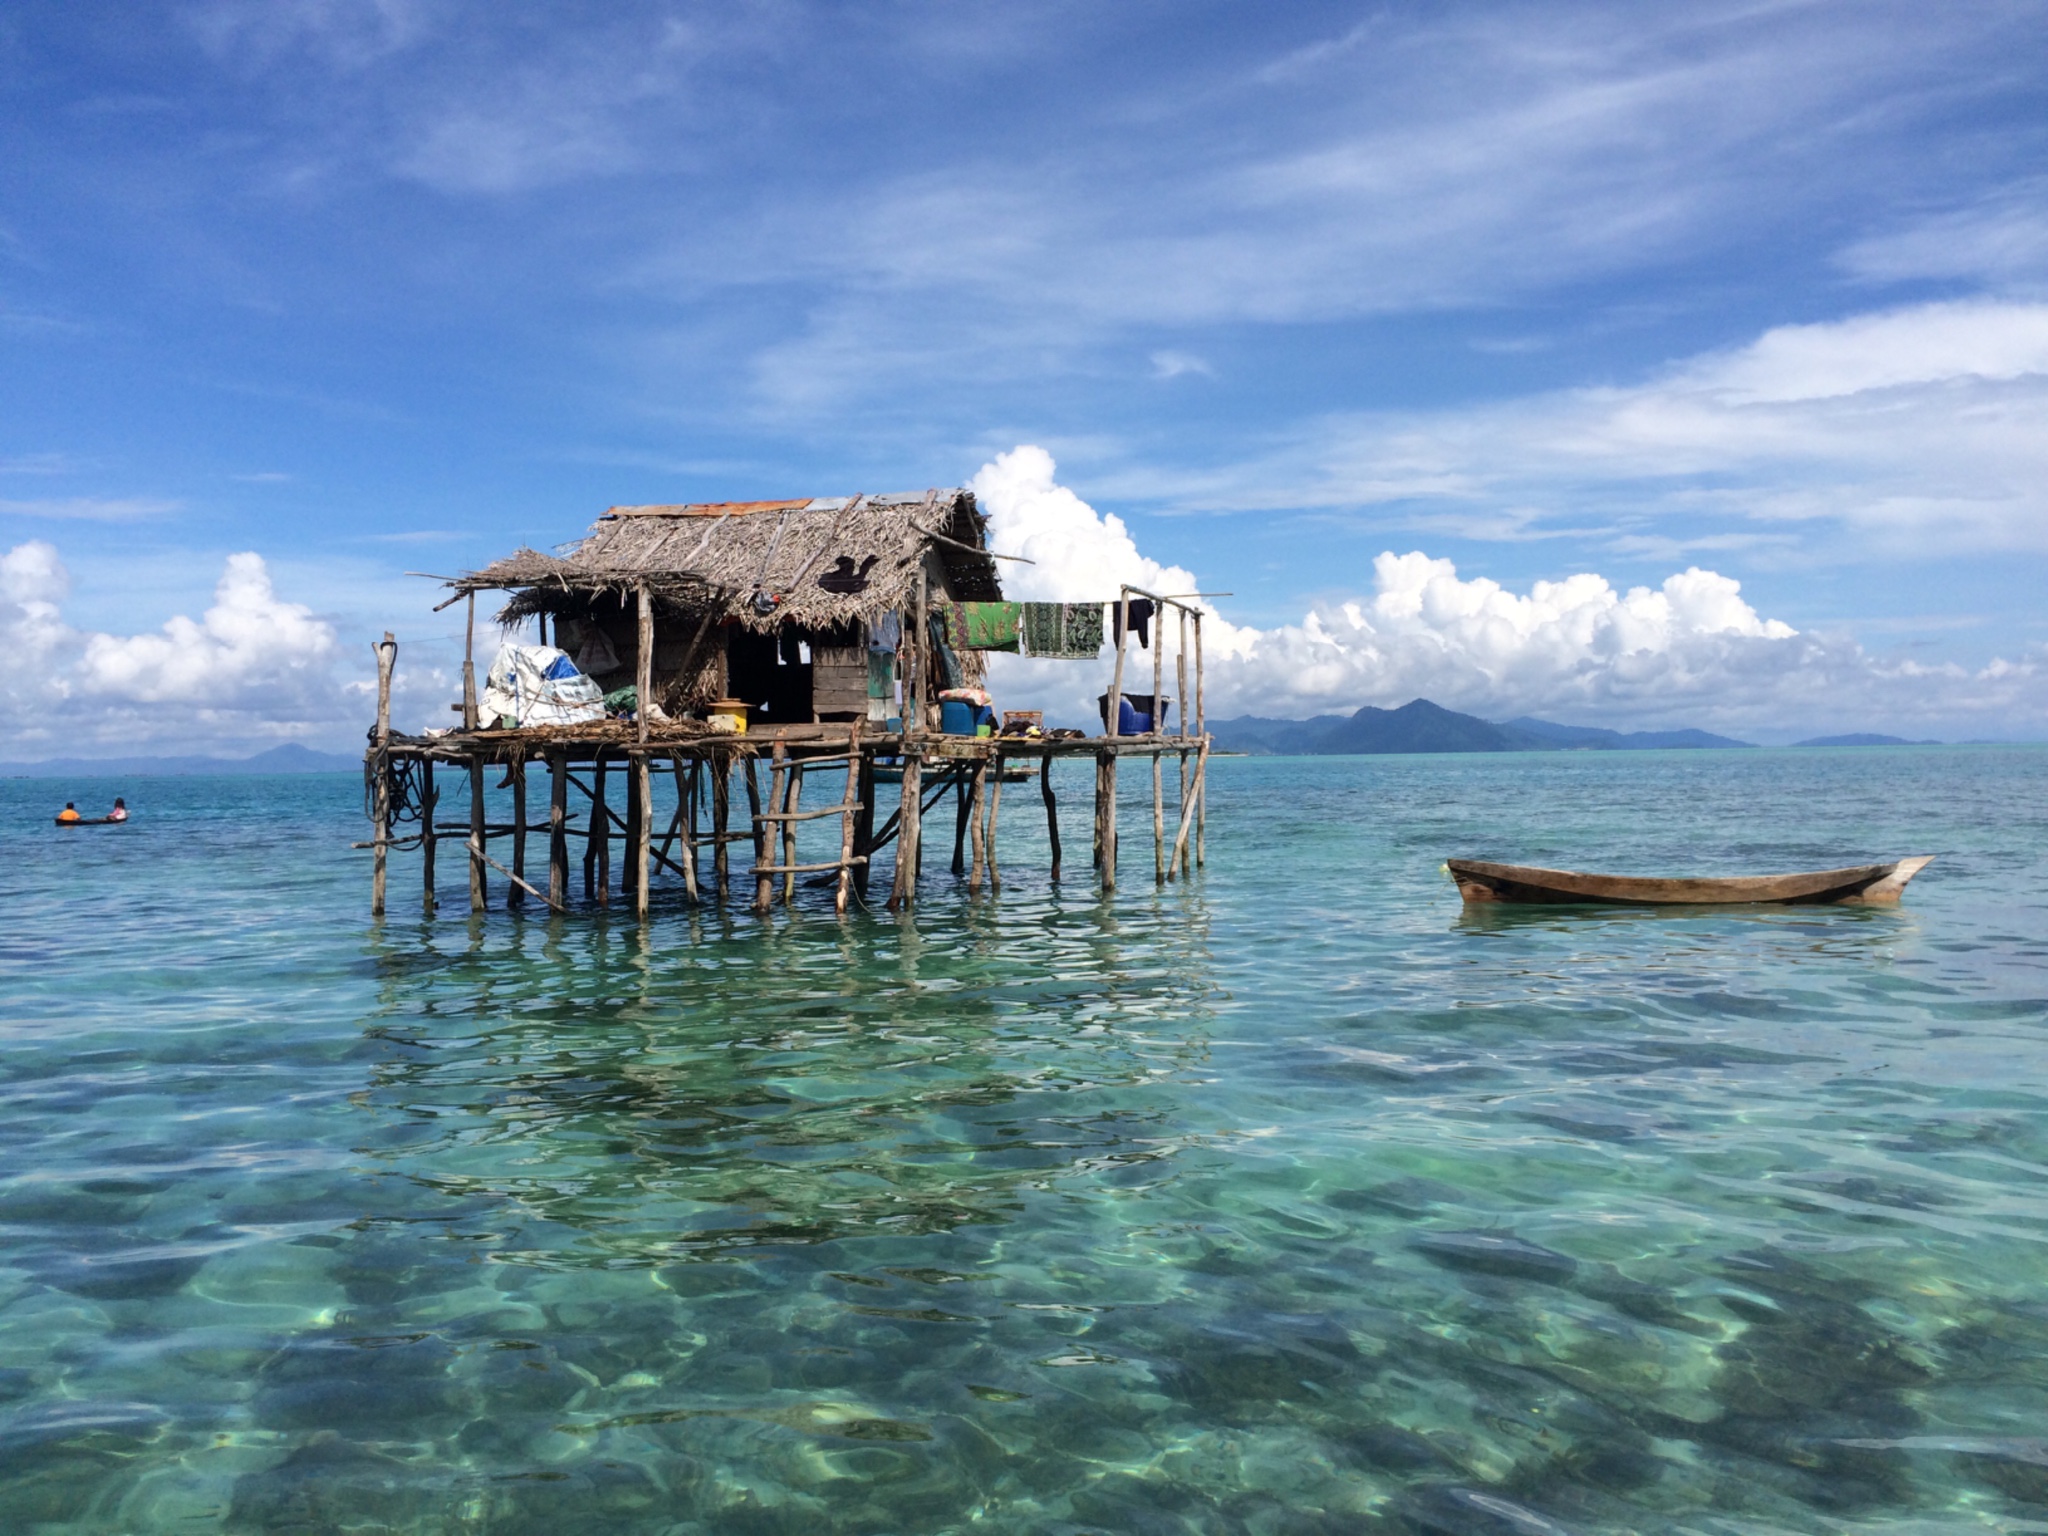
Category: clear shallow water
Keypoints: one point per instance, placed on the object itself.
(1287, 1201)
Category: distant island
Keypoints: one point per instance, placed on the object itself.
(1420, 726)
(1863, 739)
(290, 758)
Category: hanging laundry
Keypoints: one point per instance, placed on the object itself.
(948, 659)
(1063, 631)
(983, 626)
(1141, 620)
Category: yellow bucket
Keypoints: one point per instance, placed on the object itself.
(727, 716)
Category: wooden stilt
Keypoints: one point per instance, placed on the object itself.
(380, 788)
(514, 895)
(1105, 799)
(601, 831)
(908, 830)
(643, 815)
(469, 715)
(477, 834)
(791, 794)
(429, 804)
(1052, 813)
(864, 821)
(721, 815)
(975, 806)
(686, 809)
(988, 831)
(1188, 810)
(849, 828)
(778, 769)
(1158, 819)
(961, 817)
(1180, 662)
(558, 829)
(629, 862)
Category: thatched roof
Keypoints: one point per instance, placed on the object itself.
(828, 560)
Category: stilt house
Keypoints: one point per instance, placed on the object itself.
(793, 607)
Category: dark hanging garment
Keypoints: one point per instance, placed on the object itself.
(786, 638)
(1141, 621)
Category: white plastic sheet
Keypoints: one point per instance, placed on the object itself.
(538, 685)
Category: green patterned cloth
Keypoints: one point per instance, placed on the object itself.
(983, 626)
(1068, 631)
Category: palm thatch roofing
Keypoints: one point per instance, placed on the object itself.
(817, 563)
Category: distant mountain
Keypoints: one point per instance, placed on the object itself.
(1593, 736)
(1420, 726)
(1863, 739)
(290, 758)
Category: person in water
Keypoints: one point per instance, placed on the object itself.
(120, 810)
(69, 813)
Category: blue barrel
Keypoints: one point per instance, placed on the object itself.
(956, 717)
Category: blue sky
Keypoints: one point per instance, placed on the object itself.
(1545, 291)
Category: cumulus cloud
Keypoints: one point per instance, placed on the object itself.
(253, 667)
(1691, 650)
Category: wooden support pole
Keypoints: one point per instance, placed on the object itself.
(1158, 819)
(1180, 663)
(849, 827)
(430, 798)
(643, 814)
(721, 815)
(961, 818)
(558, 829)
(600, 831)
(1187, 811)
(469, 716)
(908, 830)
(1052, 812)
(380, 787)
(974, 814)
(1105, 812)
(477, 852)
(864, 818)
(643, 669)
(686, 809)
(988, 831)
(764, 883)
(516, 897)
(629, 863)
(1200, 788)
(791, 794)
(477, 833)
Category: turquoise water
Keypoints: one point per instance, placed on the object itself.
(1289, 1200)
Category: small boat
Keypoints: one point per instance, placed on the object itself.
(94, 821)
(1859, 885)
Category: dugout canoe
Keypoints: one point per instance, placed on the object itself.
(1859, 884)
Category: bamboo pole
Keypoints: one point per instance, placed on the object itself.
(764, 883)
(478, 835)
(515, 897)
(792, 792)
(1052, 812)
(849, 827)
(974, 814)
(380, 788)
(558, 829)
(430, 799)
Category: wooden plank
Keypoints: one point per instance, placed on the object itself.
(801, 869)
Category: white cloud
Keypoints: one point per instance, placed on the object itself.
(1172, 365)
(253, 667)
(1915, 430)
(1689, 651)
(91, 509)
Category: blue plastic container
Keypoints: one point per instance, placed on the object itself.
(956, 717)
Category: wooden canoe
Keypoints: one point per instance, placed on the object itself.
(1860, 884)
